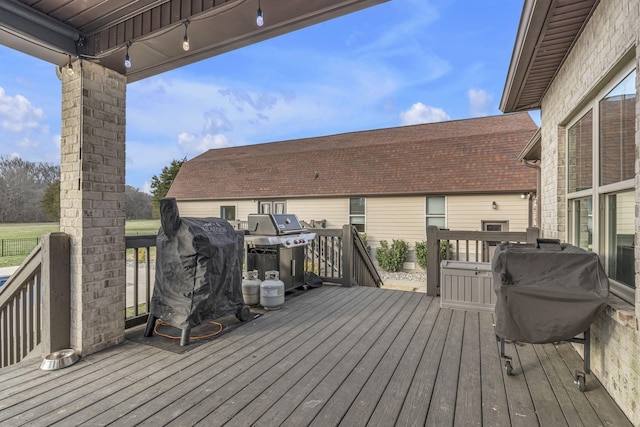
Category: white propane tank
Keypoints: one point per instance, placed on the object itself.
(271, 291)
(251, 287)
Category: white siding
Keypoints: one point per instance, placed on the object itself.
(334, 210)
(468, 212)
(205, 209)
(400, 218)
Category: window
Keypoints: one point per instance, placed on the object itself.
(228, 213)
(600, 180)
(357, 213)
(436, 211)
(275, 207)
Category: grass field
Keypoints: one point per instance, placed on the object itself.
(23, 231)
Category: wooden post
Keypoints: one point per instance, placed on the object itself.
(433, 261)
(56, 310)
(347, 254)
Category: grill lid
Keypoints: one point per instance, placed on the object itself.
(274, 224)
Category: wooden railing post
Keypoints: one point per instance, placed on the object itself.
(433, 261)
(532, 234)
(347, 254)
(56, 310)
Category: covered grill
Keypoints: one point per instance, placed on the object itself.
(198, 271)
(276, 242)
(547, 292)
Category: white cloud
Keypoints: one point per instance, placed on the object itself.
(146, 187)
(479, 102)
(420, 113)
(17, 114)
(192, 144)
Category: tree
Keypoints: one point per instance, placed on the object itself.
(160, 185)
(137, 205)
(22, 186)
(50, 202)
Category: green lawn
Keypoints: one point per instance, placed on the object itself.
(23, 231)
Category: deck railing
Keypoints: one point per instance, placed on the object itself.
(140, 259)
(472, 246)
(28, 319)
(340, 256)
(336, 255)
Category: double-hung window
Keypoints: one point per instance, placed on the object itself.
(357, 213)
(600, 180)
(435, 211)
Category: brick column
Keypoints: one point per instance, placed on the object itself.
(92, 180)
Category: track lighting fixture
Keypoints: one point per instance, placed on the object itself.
(127, 59)
(185, 39)
(259, 17)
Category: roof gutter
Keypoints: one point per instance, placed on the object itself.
(534, 13)
(38, 27)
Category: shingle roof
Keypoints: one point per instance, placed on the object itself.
(461, 156)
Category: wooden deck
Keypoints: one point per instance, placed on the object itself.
(331, 356)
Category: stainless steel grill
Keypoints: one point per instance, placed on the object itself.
(276, 242)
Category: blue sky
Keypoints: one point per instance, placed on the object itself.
(400, 63)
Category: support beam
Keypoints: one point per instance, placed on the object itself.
(92, 181)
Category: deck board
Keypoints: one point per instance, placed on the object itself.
(468, 410)
(331, 356)
(387, 413)
(495, 411)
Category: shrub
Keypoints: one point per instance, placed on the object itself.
(391, 258)
(421, 252)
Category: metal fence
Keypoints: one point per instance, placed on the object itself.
(13, 247)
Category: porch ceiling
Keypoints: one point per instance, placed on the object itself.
(99, 30)
(547, 31)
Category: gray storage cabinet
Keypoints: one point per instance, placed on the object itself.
(467, 285)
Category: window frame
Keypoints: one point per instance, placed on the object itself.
(428, 215)
(359, 215)
(223, 209)
(598, 193)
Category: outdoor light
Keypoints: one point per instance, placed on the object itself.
(259, 17)
(185, 40)
(127, 59)
(494, 205)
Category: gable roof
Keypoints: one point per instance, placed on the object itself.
(462, 156)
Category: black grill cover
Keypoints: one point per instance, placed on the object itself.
(546, 294)
(198, 269)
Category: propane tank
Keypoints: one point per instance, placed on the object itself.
(272, 291)
(251, 287)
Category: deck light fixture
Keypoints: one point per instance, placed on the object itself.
(185, 39)
(259, 16)
(127, 58)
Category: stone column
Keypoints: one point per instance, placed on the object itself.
(92, 181)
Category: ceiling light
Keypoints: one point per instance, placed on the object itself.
(259, 16)
(127, 59)
(185, 39)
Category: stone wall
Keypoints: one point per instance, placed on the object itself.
(92, 172)
(607, 44)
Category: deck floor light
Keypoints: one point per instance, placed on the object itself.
(259, 16)
(185, 39)
(127, 58)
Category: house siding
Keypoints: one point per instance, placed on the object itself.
(400, 218)
(609, 41)
(210, 208)
(334, 210)
(468, 212)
